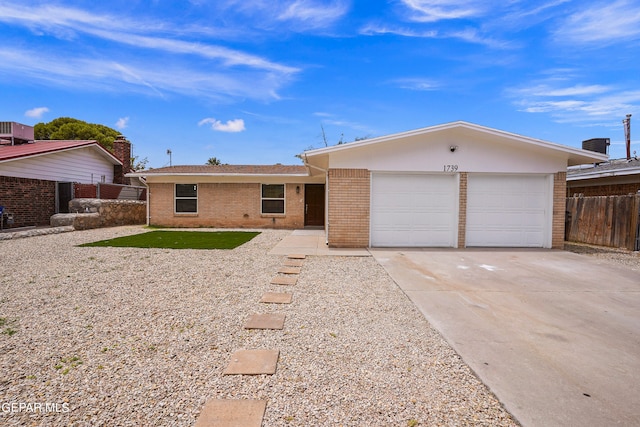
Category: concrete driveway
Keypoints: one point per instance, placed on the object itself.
(555, 335)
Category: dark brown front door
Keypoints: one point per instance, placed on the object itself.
(314, 205)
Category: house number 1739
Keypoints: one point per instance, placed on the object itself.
(450, 168)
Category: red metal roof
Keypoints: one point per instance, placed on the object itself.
(10, 152)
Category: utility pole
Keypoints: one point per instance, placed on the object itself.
(627, 134)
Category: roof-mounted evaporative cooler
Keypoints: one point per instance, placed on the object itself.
(12, 133)
(599, 145)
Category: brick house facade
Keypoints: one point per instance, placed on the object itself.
(230, 196)
(453, 185)
(224, 205)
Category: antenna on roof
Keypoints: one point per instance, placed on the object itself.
(169, 154)
(627, 134)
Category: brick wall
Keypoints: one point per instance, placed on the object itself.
(84, 191)
(462, 213)
(31, 201)
(559, 210)
(226, 205)
(349, 205)
(122, 152)
(605, 190)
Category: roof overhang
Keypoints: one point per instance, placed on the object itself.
(604, 174)
(65, 146)
(319, 158)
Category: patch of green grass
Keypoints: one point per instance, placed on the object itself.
(67, 363)
(180, 240)
(8, 326)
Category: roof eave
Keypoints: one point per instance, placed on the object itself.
(604, 174)
(93, 144)
(576, 156)
(274, 175)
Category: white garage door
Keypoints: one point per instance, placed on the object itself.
(508, 211)
(414, 210)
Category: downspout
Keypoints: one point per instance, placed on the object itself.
(326, 196)
(144, 182)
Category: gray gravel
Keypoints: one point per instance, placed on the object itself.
(140, 337)
(613, 256)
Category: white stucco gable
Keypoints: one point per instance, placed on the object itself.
(465, 146)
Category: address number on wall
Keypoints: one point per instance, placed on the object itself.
(450, 168)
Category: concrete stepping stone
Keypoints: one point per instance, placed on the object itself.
(293, 262)
(284, 280)
(265, 321)
(276, 298)
(253, 362)
(232, 413)
(296, 256)
(289, 270)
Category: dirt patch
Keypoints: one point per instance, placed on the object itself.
(614, 255)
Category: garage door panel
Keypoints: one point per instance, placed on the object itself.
(413, 210)
(507, 210)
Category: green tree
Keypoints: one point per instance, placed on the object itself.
(213, 161)
(70, 129)
(138, 164)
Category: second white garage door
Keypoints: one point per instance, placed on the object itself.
(508, 211)
(418, 210)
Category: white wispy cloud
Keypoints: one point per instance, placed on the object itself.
(373, 29)
(469, 35)
(583, 104)
(232, 126)
(205, 69)
(437, 10)
(151, 77)
(416, 83)
(36, 113)
(286, 15)
(601, 23)
(122, 123)
(314, 14)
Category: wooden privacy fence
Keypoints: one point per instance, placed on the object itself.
(604, 220)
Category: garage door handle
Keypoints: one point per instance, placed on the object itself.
(306, 208)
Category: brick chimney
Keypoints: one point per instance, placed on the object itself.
(122, 151)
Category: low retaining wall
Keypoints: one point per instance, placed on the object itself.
(97, 213)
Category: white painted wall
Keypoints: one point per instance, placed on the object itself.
(83, 165)
(431, 153)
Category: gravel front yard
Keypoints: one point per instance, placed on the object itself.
(140, 337)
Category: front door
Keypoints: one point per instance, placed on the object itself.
(314, 205)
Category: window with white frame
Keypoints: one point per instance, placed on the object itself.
(186, 200)
(273, 198)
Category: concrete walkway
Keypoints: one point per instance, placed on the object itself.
(555, 335)
(312, 242)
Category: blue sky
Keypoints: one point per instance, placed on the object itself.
(256, 81)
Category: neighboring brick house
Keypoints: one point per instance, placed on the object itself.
(617, 177)
(452, 185)
(38, 178)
